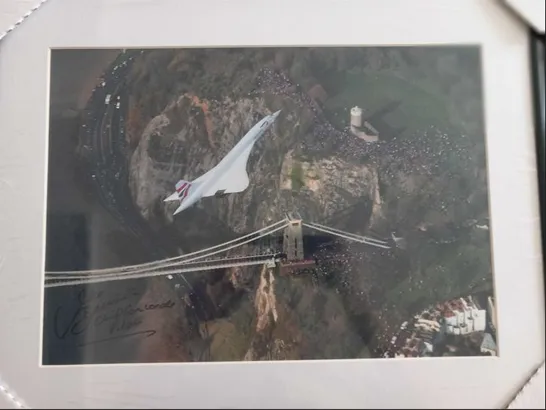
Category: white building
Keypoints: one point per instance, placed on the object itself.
(491, 311)
(356, 117)
(427, 325)
(463, 317)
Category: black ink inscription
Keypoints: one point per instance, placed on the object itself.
(117, 314)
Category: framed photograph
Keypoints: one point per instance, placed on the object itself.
(203, 202)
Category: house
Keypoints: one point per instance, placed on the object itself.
(463, 316)
(491, 312)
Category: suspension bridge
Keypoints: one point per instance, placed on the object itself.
(291, 254)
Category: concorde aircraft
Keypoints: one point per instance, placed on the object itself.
(228, 177)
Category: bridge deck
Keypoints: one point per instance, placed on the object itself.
(291, 256)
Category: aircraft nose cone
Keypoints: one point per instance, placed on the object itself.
(275, 115)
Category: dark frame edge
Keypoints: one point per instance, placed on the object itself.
(537, 49)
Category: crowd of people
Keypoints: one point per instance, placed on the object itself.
(422, 153)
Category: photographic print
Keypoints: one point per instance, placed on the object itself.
(264, 204)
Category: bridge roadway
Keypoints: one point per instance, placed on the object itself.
(211, 262)
(201, 254)
(203, 262)
(190, 267)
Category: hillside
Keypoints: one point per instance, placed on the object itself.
(425, 180)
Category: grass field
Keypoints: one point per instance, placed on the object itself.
(417, 108)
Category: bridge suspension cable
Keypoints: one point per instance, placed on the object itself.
(184, 265)
(144, 271)
(153, 264)
(200, 260)
(378, 241)
(130, 275)
(347, 235)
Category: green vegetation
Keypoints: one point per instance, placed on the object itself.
(297, 177)
(442, 271)
(434, 85)
(417, 109)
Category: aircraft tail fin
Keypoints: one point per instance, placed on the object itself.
(182, 188)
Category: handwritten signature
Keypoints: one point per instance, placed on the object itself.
(116, 313)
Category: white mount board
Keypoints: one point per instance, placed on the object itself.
(532, 11)
(89, 386)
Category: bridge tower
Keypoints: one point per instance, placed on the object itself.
(293, 238)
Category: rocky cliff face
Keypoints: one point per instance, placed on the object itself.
(189, 137)
(192, 135)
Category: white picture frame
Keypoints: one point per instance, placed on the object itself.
(443, 383)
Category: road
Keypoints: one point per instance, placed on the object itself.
(168, 271)
(104, 146)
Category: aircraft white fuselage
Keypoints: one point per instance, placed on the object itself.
(229, 176)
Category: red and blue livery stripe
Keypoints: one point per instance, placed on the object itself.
(183, 190)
